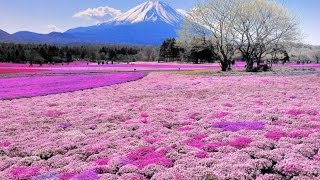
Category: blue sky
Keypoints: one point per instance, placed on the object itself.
(45, 15)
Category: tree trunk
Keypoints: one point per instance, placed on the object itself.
(224, 66)
(258, 62)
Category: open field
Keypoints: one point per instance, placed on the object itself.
(171, 124)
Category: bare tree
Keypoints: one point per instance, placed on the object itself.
(254, 27)
(316, 56)
(149, 53)
(213, 19)
(260, 26)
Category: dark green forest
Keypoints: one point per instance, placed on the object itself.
(47, 53)
(44, 53)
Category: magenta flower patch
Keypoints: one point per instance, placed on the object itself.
(295, 112)
(5, 143)
(144, 115)
(196, 141)
(220, 115)
(240, 142)
(299, 133)
(24, 172)
(275, 135)
(227, 105)
(54, 113)
(237, 126)
(194, 115)
(144, 156)
(103, 161)
(201, 154)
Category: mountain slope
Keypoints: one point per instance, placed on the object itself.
(147, 33)
(4, 36)
(54, 37)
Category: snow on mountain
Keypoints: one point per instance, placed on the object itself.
(150, 11)
(182, 12)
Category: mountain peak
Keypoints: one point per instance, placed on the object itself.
(149, 11)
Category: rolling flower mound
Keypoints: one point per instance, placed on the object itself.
(237, 126)
(21, 87)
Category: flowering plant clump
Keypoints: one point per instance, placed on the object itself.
(103, 161)
(148, 155)
(24, 172)
(201, 127)
(220, 115)
(240, 142)
(5, 143)
(275, 135)
(237, 126)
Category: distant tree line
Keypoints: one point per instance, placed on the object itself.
(198, 50)
(46, 53)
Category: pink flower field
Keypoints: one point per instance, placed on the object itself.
(30, 86)
(167, 125)
(82, 66)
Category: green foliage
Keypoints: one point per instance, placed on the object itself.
(169, 49)
(200, 52)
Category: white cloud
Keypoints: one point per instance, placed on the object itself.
(99, 14)
(182, 12)
(53, 28)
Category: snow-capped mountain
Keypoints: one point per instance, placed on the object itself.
(146, 24)
(150, 11)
